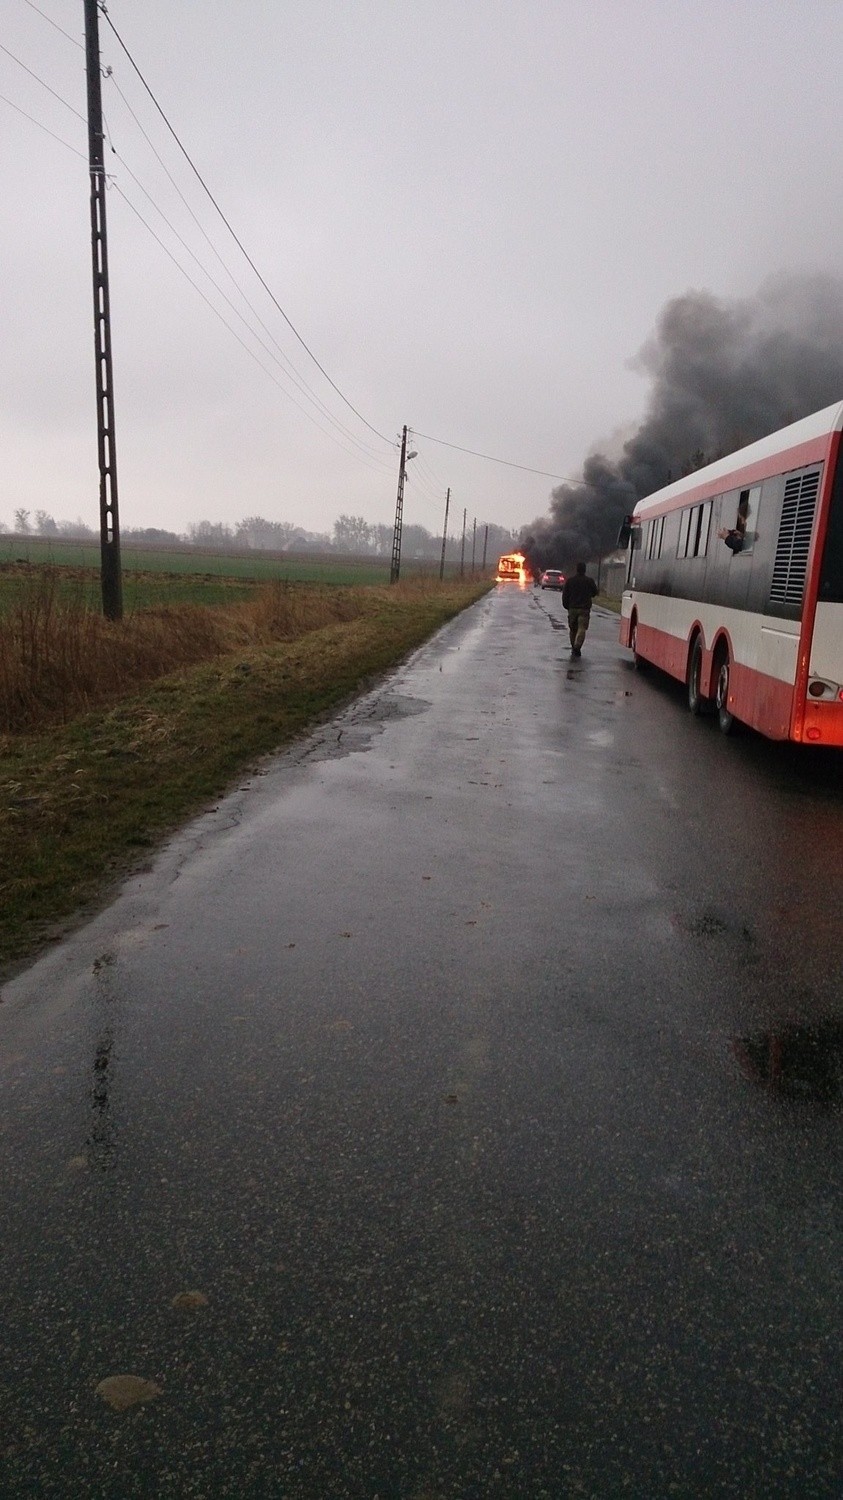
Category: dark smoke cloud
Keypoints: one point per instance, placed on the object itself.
(723, 373)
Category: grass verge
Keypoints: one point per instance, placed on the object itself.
(613, 604)
(80, 801)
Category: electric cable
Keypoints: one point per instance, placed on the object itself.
(411, 472)
(290, 374)
(46, 130)
(294, 374)
(425, 479)
(493, 460)
(235, 334)
(43, 13)
(43, 84)
(235, 237)
(430, 473)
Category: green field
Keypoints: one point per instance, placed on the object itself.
(140, 590)
(208, 564)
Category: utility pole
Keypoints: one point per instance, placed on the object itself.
(444, 535)
(485, 542)
(473, 543)
(110, 572)
(395, 566)
(462, 546)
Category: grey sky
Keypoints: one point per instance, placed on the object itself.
(473, 213)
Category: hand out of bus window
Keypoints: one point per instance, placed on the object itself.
(732, 537)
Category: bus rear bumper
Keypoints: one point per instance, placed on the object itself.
(821, 725)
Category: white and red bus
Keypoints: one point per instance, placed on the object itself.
(735, 583)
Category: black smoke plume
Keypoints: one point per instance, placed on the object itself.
(724, 373)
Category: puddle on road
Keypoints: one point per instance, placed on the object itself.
(354, 732)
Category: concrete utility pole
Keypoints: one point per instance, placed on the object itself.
(473, 543)
(110, 572)
(395, 566)
(462, 545)
(485, 543)
(444, 535)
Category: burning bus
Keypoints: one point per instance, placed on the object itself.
(512, 568)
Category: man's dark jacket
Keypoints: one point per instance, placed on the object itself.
(578, 592)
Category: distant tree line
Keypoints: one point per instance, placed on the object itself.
(351, 534)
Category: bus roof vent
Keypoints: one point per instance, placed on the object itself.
(797, 524)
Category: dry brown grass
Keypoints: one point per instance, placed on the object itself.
(285, 611)
(58, 657)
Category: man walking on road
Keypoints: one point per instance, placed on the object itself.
(576, 598)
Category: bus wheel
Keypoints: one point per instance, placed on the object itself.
(725, 717)
(638, 661)
(697, 702)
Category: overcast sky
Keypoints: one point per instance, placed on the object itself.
(471, 211)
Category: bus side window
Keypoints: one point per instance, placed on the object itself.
(705, 529)
(742, 535)
(684, 520)
(750, 534)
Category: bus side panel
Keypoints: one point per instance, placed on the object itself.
(663, 650)
(762, 702)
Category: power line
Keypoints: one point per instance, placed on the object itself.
(370, 463)
(429, 471)
(491, 459)
(290, 369)
(239, 243)
(376, 458)
(43, 13)
(55, 137)
(43, 84)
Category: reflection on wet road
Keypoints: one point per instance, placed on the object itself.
(453, 1112)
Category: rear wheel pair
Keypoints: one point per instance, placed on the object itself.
(725, 717)
(697, 702)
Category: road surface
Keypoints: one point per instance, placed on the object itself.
(478, 1062)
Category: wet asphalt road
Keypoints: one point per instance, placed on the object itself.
(479, 1061)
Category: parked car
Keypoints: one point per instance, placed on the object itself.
(552, 579)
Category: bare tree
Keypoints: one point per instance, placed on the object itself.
(352, 534)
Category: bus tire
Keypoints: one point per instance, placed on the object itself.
(697, 702)
(725, 717)
(638, 661)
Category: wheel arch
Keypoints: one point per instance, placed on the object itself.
(722, 645)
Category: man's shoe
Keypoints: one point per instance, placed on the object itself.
(575, 651)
